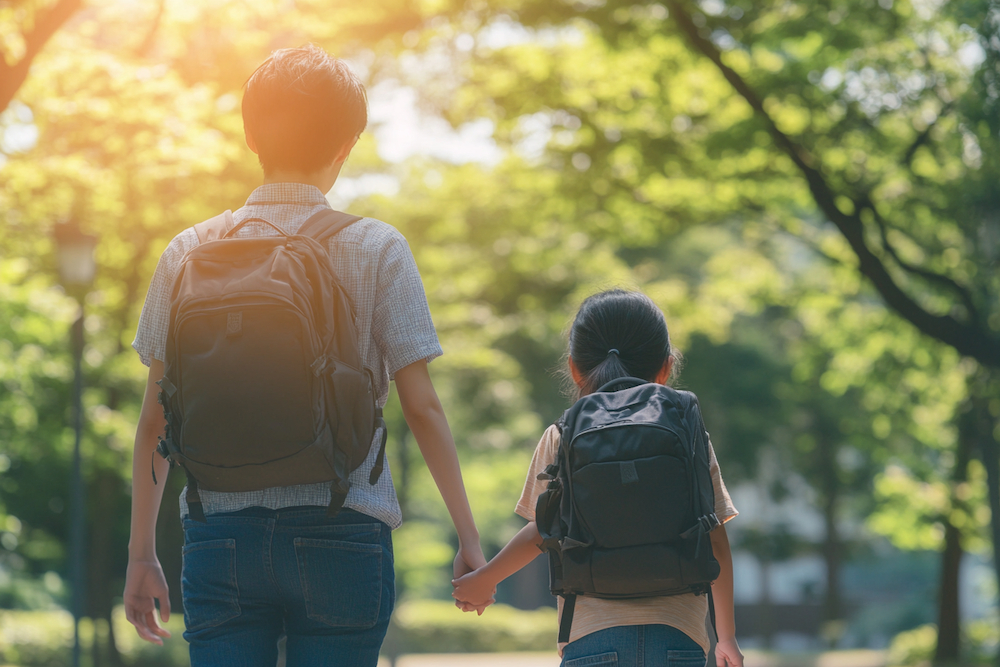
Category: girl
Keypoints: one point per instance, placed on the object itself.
(620, 334)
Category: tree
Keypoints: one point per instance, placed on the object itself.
(862, 206)
(630, 159)
(874, 120)
(36, 27)
(131, 127)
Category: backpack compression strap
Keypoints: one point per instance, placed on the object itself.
(711, 613)
(215, 228)
(569, 606)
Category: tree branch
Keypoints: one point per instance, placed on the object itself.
(924, 136)
(967, 339)
(147, 42)
(46, 24)
(931, 276)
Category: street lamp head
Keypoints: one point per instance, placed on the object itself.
(75, 253)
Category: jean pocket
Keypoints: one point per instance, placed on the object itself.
(208, 583)
(600, 660)
(341, 581)
(685, 659)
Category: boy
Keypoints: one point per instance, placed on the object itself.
(270, 562)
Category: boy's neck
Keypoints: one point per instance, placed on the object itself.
(322, 179)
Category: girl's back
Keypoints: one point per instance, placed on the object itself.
(615, 335)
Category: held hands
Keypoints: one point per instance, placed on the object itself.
(144, 581)
(474, 591)
(466, 562)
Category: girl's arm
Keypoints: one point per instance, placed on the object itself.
(144, 578)
(478, 588)
(727, 652)
(425, 417)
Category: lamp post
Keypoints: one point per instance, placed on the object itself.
(75, 252)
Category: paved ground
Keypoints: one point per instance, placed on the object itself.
(753, 659)
(476, 660)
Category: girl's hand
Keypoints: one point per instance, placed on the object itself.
(469, 559)
(475, 590)
(727, 654)
(144, 581)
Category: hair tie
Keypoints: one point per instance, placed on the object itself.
(613, 351)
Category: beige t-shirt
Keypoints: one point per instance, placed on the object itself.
(685, 612)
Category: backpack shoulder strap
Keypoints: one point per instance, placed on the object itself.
(702, 478)
(326, 224)
(215, 228)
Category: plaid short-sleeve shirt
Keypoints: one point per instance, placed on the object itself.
(373, 262)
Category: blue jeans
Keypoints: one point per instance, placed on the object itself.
(251, 576)
(634, 646)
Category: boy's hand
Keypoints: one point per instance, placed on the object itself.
(144, 581)
(728, 654)
(468, 559)
(475, 590)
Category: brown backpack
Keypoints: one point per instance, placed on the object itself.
(263, 382)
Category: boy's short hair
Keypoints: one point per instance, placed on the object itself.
(301, 107)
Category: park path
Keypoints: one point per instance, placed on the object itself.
(547, 659)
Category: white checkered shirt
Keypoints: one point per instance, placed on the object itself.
(374, 264)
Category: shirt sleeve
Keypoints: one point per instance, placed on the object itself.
(545, 453)
(151, 335)
(401, 322)
(724, 508)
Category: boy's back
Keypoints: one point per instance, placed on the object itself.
(373, 263)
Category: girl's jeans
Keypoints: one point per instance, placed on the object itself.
(634, 646)
(251, 576)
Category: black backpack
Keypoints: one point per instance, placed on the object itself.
(630, 501)
(263, 381)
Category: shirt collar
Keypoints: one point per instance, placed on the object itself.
(283, 194)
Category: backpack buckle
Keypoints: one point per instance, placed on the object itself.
(319, 366)
(569, 543)
(168, 388)
(550, 472)
(163, 449)
(706, 524)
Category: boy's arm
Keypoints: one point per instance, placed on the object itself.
(727, 652)
(144, 579)
(425, 417)
(478, 587)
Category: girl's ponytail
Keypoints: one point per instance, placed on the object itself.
(618, 334)
(610, 369)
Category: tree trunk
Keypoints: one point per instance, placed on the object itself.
(833, 608)
(989, 452)
(949, 619)
(766, 611)
(949, 608)
(101, 575)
